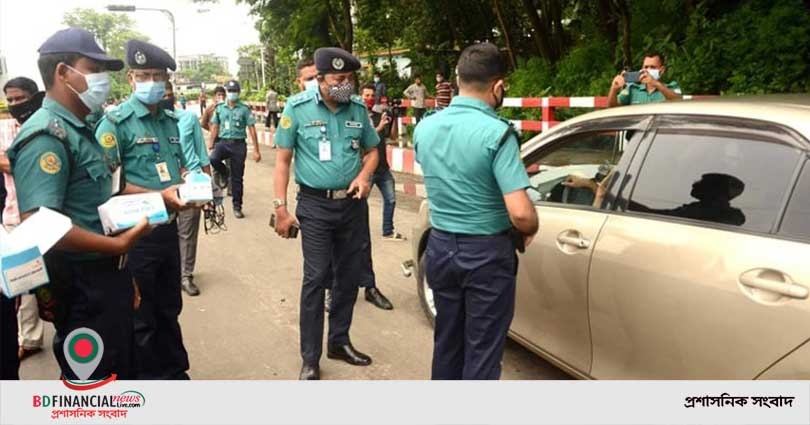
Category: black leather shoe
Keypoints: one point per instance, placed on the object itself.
(327, 301)
(348, 354)
(190, 288)
(374, 296)
(310, 373)
(238, 214)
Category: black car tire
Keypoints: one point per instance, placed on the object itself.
(424, 292)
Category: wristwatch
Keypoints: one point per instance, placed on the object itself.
(277, 203)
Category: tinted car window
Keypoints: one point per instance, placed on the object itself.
(721, 179)
(797, 218)
(588, 155)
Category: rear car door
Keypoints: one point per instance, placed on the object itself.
(691, 277)
(551, 312)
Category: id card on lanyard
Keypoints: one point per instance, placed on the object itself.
(160, 166)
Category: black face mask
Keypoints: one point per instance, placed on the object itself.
(167, 103)
(22, 111)
(499, 101)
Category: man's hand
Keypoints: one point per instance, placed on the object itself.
(136, 298)
(527, 240)
(284, 221)
(576, 182)
(257, 156)
(125, 240)
(647, 79)
(618, 82)
(384, 120)
(5, 165)
(172, 200)
(360, 186)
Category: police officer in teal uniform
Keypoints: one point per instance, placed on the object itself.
(149, 143)
(475, 183)
(328, 131)
(57, 164)
(232, 122)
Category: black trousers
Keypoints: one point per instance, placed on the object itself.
(98, 296)
(155, 265)
(473, 283)
(236, 151)
(9, 363)
(272, 119)
(331, 231)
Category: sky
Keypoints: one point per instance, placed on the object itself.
(222, 29)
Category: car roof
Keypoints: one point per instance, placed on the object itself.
(789, 110)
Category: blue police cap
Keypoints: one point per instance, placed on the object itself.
(334, 60)
(233, 86)
(78, 41)
(143, 55)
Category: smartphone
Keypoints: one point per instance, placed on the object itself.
(293, 228)
(632, 77)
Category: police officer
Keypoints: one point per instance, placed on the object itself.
(149, 144)
(231, 123)
(329, 133)
(475, 184)
(57, 164)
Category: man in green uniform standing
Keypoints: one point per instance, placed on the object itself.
(475, 184)
(232, 122)
(57, 164)
(649, 88)
(328, 131)
(149, 143)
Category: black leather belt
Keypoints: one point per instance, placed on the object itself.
(325, 193)
(232, 140)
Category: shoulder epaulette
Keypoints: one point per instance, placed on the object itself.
(118, 114)
(302, 97)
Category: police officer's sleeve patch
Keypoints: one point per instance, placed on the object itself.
(50, 163)
(286, 122)
(108, 140)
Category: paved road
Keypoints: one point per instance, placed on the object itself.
(244, 325)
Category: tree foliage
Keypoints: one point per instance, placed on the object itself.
(562, 47)
(112, 30)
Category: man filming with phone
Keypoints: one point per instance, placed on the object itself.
(645, 86)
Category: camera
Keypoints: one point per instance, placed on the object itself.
(395, 109)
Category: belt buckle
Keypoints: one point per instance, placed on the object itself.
(339, 194)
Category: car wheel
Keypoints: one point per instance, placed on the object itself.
(425, 293)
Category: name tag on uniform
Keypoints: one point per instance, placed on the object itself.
(315, 124)
(163, 172)
(324, 150)
(146, 140)
(227, 125)
(354, 124)
(174, 140)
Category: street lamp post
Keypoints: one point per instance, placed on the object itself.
(133, 8)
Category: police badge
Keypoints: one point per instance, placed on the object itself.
(355, 144)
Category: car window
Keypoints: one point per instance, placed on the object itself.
(724, 179)
(580, 157)
(797, 218)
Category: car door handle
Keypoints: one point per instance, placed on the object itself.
(788, 288)
(575, 241)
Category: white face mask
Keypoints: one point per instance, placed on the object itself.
(654, 73)
(98, 89)
(376, 79)
(311, 84)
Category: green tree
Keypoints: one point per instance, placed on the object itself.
(208, 70)
(112, 32)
